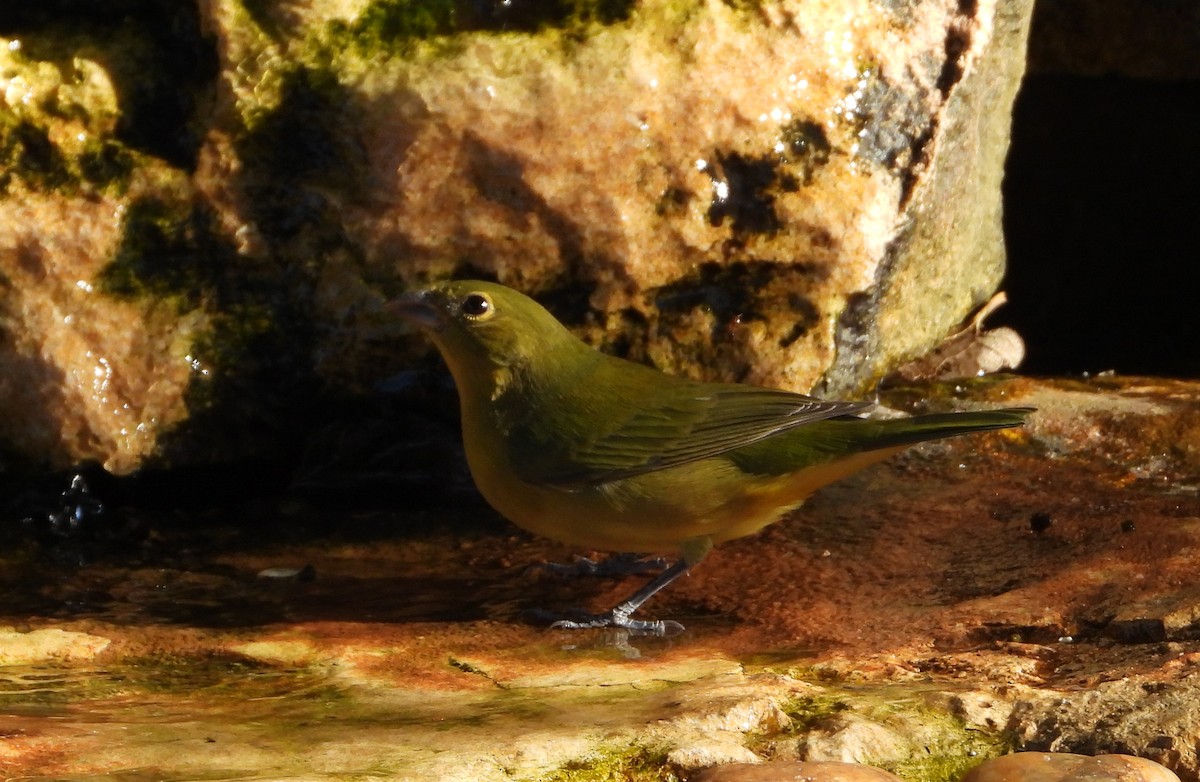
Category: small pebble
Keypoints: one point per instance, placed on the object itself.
(1065, 767)
(789, 771)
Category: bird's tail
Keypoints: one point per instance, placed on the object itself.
(836, 440)
(891, 433)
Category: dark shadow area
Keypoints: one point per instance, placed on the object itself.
(156, 547)
(1099, 201)
(349, 475)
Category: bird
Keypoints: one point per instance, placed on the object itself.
(607, 454)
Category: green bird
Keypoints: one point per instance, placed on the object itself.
(603, 453)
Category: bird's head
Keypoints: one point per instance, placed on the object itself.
(482, 326)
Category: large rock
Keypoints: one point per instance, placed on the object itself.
(785, 771)
(1065, 767)
(787, 193)
(84, 374)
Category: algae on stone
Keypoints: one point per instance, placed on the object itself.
(634, 763)
(893, 729)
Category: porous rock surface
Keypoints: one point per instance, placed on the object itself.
(201, 212)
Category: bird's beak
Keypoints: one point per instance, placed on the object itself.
(419, 309)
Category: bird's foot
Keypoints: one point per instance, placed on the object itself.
(620, 616)
(615, 565)
(616, 618)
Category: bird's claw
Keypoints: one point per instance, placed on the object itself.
(619, 616)
(658, 628)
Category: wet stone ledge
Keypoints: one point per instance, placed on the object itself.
(959, 602)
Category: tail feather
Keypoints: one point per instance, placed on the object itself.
(834, 439)
(873, 434)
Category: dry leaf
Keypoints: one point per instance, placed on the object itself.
(971, 352)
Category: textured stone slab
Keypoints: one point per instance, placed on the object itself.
(793, 771)
(1065, 767)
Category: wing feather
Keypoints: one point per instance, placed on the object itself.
(673, 425)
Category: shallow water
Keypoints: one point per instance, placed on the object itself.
(252, 643)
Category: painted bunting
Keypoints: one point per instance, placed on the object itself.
(604, 453)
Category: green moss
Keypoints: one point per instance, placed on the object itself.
(960, 750)
(257, 355)
(627, 764)
(941, 746)
(168, 251)
(161, 64)
(65, 133)
(262, 12)
(386, 23)
(256, 349)
(299, 150)
(394, 27)
(27, 155)
(106, 162)
(301, 164)
(744, 6)
(808, 712)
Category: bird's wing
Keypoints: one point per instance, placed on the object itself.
(696, 421)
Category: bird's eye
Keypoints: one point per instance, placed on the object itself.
(477, 306)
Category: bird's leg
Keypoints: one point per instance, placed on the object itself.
(625, 564)
(694, 550)
(620, 615)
